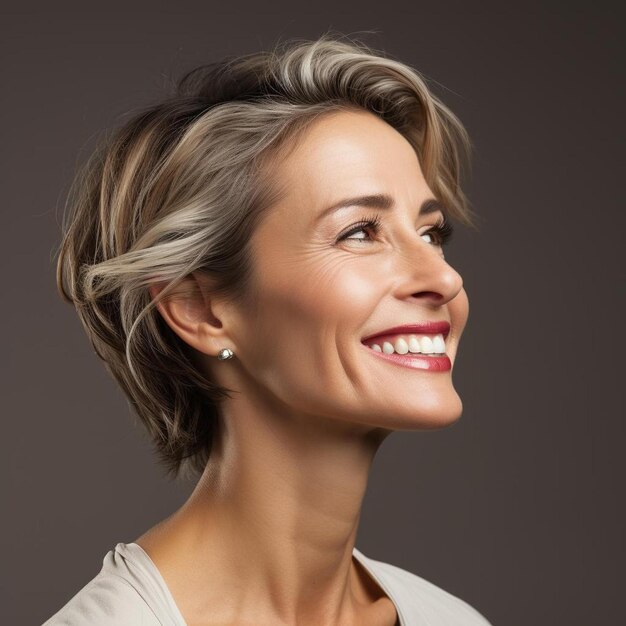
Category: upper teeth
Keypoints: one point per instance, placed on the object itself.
(413, 343)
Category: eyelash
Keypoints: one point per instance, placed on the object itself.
(443, 229)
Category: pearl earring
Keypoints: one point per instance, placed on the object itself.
(225, 353)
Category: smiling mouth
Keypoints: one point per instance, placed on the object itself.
(414, 351)
(419, 345)
(413, 343)
(425, 337)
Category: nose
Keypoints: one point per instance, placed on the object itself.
(426, 275)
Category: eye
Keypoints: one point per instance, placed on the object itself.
(440, 233)
(437, 235)
(363, 226)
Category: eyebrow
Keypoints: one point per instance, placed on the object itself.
(380, 201)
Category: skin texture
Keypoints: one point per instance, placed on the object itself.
(267, 535)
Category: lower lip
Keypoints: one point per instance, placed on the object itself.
(440, 363)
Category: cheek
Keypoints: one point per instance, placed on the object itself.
(350, 296)
(305, 320)
(312, 302)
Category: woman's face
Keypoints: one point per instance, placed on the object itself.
(320, 295)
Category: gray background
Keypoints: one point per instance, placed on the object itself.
(519, 507)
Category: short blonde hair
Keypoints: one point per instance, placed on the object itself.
(180, 187)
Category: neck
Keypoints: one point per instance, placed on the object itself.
(272, 521)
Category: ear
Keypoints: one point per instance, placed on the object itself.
(193, 315)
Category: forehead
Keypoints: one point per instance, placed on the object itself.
(349, 153)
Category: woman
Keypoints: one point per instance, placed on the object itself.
(259, 262)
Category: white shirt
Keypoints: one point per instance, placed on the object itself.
(130, 591)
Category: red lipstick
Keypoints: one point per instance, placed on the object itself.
(423, 328)
(433, 363)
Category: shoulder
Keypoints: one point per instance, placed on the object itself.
(106, 600)
(422, 601)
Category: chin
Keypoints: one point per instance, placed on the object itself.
(435, 413)
(444, 412)
(435, 422)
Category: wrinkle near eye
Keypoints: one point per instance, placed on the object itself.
(325, 269)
